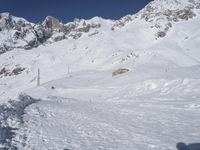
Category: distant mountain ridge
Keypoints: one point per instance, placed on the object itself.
(161, 14)
(19, 33)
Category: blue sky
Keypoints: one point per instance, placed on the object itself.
(67, 10)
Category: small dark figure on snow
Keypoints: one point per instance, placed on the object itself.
(183, 146)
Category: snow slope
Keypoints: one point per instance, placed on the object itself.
(153, 106)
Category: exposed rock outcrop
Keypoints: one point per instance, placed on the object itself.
(163, 13)
(53, 24)
(19, 33)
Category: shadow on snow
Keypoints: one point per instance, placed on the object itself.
(13, 111)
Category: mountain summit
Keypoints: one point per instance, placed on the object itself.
(161, 14)
(19, 33)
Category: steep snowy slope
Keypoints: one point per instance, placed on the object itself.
(153, 106)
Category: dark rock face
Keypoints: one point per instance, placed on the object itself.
(76, 35)
(155, 12)
(150, 13)
(6, 21)
(185, 14)
(41, 33)
(19, 33)
(77, 28)
(84, 29)
(53, 24)
(17, 71)
(58, 37)
(161, 34)
(3, 48)
(22, 30)
(7, 72)
(122, 22)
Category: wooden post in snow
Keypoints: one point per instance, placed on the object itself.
(68, 70)
(38, 78)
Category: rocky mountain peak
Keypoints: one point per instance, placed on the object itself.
(19, 33)
(53, 23)
(162, 14)
(5, 21)
(173, 10)
(159, 14)
(8, 22)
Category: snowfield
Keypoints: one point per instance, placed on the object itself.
(151, 115)
(79, 105)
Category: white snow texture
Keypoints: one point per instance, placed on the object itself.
(153, 106)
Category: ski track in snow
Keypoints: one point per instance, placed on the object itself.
(150, 124)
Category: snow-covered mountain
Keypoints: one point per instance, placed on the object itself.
(132, 83)
(19, 33)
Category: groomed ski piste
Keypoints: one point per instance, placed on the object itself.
(79, 105)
